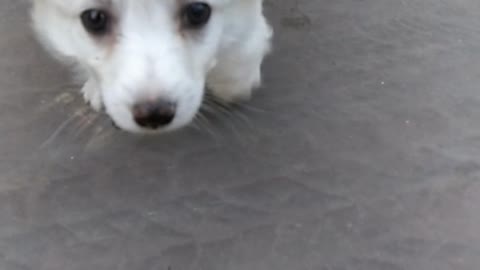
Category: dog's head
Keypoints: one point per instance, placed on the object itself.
(147, 56)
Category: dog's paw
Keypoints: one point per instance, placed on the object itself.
(92, 95)
(233, 90)
(231, 95)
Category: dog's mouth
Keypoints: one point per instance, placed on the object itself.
(152, 116)
(210, 108)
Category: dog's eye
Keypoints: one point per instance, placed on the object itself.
(196, 15)
(95, 21)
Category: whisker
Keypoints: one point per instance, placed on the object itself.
(205, 125)
(100, 134)
(228, 114)
(60, 129)
(87, 121)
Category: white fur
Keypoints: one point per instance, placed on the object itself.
(151, 57)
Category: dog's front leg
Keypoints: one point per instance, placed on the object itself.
(92, 94)
(238, 69)
(235, 79)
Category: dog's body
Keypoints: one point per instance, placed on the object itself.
(148, 62)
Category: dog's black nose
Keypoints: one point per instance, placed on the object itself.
(154, 114)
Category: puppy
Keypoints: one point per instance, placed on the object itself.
(148, 62)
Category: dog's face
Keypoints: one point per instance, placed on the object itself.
(144, 54)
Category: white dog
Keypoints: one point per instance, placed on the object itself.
(148, 62)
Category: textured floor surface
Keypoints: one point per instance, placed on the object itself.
(362, 152)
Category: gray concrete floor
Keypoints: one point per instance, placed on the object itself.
(362, 152)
